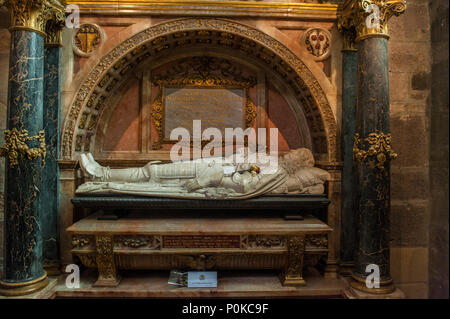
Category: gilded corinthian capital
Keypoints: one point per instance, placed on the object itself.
(368, 18)
(33, 15)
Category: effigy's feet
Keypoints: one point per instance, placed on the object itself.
(93, 169)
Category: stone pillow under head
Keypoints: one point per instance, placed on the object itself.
(309, 176)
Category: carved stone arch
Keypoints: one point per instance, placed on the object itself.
(123, 57)
(275, 80)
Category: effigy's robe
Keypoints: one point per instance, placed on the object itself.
(266, 183)
(212, 179)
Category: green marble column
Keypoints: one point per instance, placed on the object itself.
(50, 193)
(371, 149)
(373, 178)
(25, 147)
(348, 212)
(23, 239)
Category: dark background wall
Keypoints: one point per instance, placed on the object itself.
(438, 246)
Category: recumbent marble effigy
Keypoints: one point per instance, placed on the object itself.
(234, 177)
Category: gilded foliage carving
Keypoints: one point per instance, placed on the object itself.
(105, 258)
(15, 145)
(296, 248)
(378, 149)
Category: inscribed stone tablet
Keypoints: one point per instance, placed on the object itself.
(215, 107)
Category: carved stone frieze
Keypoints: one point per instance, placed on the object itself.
(316, 241)
(134, 242)
(83, 242)
(266, 241)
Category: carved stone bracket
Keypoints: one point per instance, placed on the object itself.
(368, 18)
(15, 144)
(379, 149)
(33, 15)
(107, 270)
(292, 274)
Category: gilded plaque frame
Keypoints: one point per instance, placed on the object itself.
(203, 81)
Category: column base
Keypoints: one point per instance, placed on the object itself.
(346, 269)
(23, 288)
(52, 269)
(386, 287)
(331, 270)
(352, 293)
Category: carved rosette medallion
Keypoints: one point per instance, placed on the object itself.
(317, 42)
(374, 150)
(87, 39)
(369, 18)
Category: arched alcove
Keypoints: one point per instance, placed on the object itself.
(285, 73)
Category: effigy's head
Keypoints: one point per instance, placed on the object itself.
(300, 157)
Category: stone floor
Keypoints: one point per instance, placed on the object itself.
(232, 284)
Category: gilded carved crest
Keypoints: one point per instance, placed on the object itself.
(87, 38)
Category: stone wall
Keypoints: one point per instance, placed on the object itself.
(438, 253)
(410, 70)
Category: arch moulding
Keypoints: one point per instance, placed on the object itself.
(87, 86)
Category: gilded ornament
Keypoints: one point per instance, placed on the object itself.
(157, 115)
(87, 39)
(369, 18)
(379, 149)
(15, 144)
(34, 15)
